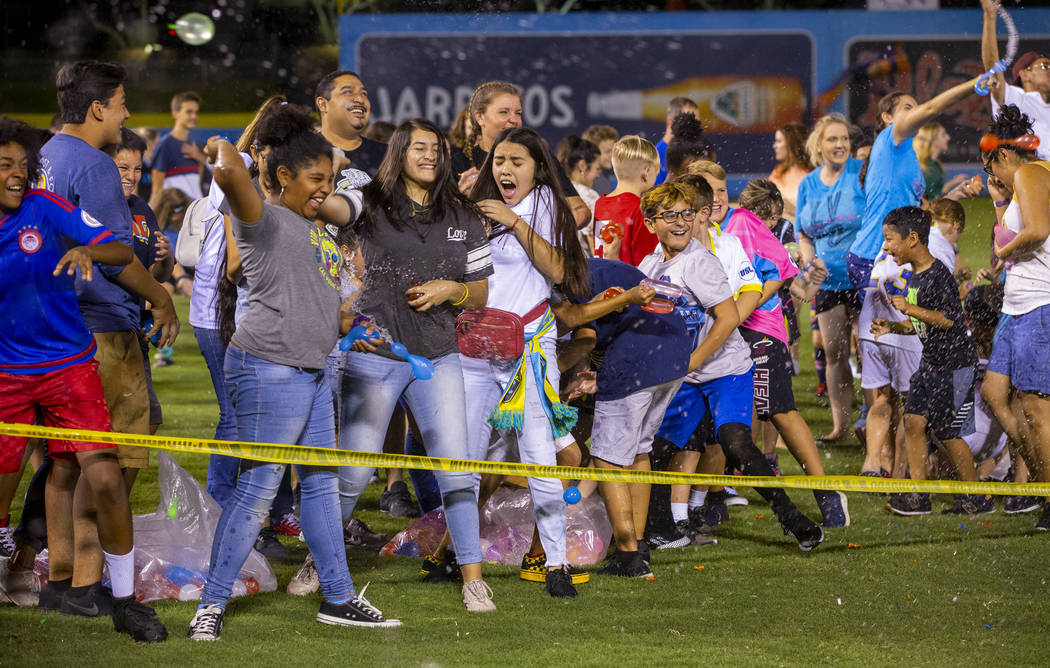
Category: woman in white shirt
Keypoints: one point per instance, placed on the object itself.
(533, 245)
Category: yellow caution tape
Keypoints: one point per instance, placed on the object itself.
(295, 454)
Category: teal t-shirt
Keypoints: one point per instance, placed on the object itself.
(894, 179)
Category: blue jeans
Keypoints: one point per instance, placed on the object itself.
(427, 491)
(222, 470)
(371, 387)
(279, 404)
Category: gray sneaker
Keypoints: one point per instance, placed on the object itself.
(305, 581)
(477, 596)
(20, 587)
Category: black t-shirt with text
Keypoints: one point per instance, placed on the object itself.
(368, 156)
(416, 250)
(935, 290)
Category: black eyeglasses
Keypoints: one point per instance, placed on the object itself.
(688, 215)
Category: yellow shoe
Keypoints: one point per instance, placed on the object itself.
(534, 569)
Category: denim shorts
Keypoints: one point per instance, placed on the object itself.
(1022, 349)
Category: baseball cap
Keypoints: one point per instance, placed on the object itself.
(1024, 61)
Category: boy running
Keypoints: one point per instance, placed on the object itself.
(941, 396)
(720, 368)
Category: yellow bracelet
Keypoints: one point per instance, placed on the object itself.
(466, 293)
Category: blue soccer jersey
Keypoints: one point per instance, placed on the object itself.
(42, 329)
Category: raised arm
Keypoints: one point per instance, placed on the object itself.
(916, 118)
(236, 182)
(990, 47)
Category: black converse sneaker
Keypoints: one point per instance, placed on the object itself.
(206, 623)
(355, 612)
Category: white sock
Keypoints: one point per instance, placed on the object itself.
(680, 511)
(696, 499)
(121, 573)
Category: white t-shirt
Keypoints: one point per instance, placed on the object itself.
(517, 285)
(698, 271)
(888, 277)
(737, 265)
(1028, 280)
(204, 300)
(1033, 106)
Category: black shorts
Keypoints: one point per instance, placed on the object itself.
(829, 299)
(945, 398)
(703, 435)
(773, 369)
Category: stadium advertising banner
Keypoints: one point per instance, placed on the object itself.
(749, 71)
(744, 90)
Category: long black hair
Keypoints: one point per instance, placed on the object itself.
(386, 192)
(575, 269)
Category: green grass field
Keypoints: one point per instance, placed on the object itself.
(937, 590)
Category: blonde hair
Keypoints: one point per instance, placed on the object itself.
(707, 168)
(631, 154)
(923, 143)
(817, 136)
(665, 195)
(479, 102)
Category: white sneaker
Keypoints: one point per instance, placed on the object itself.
(20, 587)
(477, 596)
(734, 499)
(305, 582)
(206, 623)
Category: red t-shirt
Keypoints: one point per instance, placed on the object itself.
(626, 210)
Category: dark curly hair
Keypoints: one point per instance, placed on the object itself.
(289, 134)
(1011, 123)
(26, 136)
(688, 143)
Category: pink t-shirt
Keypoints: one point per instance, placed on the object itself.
(771, 262)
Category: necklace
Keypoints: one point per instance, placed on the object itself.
(415, 209)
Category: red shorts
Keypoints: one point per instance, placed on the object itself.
(71, 398)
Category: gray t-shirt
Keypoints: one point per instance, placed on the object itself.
(417, 250)
(292, 269)
(698, 271)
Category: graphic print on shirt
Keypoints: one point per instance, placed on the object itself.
(693, 314)
(139, 230)
(328, 257)
(918, 325)
(30, 240)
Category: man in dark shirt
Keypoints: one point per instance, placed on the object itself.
(342, 100)
(941, 395)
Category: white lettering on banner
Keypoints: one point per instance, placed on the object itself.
(540, 105)
(439, 106)
(407, 107)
